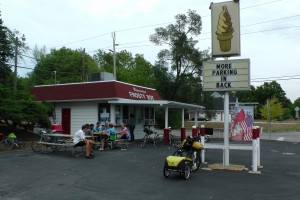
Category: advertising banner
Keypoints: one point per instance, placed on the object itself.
(225, 29)
(241, 122)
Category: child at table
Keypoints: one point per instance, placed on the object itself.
(111, 132)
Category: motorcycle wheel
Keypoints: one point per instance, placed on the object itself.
(186, 171)
(166, 172)
(196, 160)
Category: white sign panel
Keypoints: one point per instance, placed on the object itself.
(225, 29)
(226, 75)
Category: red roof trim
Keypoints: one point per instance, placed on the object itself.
(94, 90)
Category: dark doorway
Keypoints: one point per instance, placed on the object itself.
(66, 120)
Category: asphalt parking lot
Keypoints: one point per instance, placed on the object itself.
(136, 173)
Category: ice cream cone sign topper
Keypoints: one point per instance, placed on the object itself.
(224, 30)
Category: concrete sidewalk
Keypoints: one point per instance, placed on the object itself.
(137, 173)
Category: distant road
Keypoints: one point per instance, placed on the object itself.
(288, 136)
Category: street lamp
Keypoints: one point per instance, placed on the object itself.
(114, 57)
(55, 77)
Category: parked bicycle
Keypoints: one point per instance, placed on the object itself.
(173, 140)
(152, 136)
(11, 142)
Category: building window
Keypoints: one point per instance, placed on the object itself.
(103, 112)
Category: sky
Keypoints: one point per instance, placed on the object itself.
(270, 30)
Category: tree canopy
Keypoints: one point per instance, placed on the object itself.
(182, 60)
(130, 69)
(63, 65)
(6, 53)
(274, 110)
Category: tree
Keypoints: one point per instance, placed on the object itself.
(39, 53)
(6, 53)
(183, 59)
(63, 65)
(272, 111)
(130, 69)
(247, 96)
(269, 90)
(18, 108)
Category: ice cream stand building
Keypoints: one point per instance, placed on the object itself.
(88, 102)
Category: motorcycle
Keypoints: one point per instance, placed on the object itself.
(185, 159)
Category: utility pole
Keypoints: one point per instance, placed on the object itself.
(16, 63)
(83, 71)
(114, 52)
(269, 121)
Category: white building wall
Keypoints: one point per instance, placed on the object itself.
(81, 113)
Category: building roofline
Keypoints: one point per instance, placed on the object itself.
(92, 82)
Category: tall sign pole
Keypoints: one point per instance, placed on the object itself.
(227, 75)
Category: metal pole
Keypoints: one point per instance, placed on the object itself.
(55, 77)
(114, 52)
(83, 70)
(268, 110)
(226, 127)
(16, 63)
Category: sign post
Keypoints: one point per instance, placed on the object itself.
(226, 75)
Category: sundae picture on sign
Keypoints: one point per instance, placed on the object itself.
(225, 29)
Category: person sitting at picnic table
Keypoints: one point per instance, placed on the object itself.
(97, 129)
(125, 134)
(103, 135)
(91, 129)
(111, 132)
(80, 140)
(108, 135)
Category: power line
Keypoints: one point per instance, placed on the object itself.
(293, 76)
(82, 40)
(271, 29)
(263, 22)
(141, 27)
(30, 57)
(262, 4)
(279, 79)
(274, 29)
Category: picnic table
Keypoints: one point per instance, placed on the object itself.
(51, 142)
(113, 143)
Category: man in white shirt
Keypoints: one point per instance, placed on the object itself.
(80, 140)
